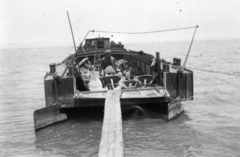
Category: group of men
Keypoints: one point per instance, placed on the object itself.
(108, 66)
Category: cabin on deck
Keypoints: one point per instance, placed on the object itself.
(99, 43)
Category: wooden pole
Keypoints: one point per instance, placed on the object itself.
(71, 32)
(184, 64)
(73, 56)
(179, 74)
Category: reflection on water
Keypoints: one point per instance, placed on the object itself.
(143, 111)
(138, 111)
(71, 138)
(208, 127)
(81, 134)
(154, 137)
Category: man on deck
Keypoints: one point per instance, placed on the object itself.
(107, 64)
(84, 67)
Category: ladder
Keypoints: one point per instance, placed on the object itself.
(96, 61)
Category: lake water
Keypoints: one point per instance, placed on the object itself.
(210, 125)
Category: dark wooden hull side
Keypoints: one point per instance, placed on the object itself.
(143, 62)
(61, 89)
(181, 86)
(91, 102)
(50, 115)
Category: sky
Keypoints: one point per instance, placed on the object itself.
(32, 21)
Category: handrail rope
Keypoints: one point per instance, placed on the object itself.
(174, 29)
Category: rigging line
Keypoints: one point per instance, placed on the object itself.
(211, 71)
(218, 72)
(84, 39)
(174, 29)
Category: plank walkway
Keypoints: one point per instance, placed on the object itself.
(111, 144)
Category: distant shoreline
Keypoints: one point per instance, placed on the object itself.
(51, 44)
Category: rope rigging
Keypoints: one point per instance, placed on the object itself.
(210, 71)
(218, 72)
(175, 29)
(167, 30)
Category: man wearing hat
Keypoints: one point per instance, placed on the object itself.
(107, 64)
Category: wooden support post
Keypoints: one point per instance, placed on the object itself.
(141, 66)
(111, 144)
(145, 67)
(159, 71)
(179, 74)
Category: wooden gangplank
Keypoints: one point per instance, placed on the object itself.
(111, 144)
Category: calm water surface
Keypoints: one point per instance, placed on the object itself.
(209, 126)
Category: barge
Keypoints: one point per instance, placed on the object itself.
(79, 81)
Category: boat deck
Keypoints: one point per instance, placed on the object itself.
(138, 95)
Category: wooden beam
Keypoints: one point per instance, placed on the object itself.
(111, 144)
